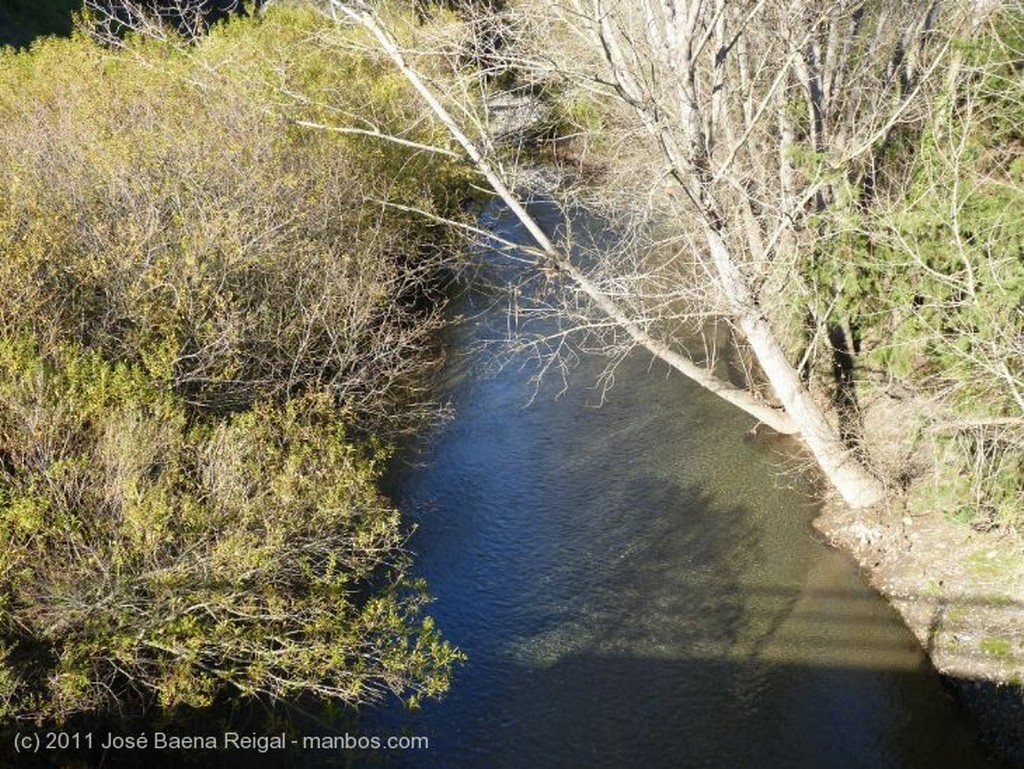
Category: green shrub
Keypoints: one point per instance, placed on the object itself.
(932, 277)
(155, 557)
(205, 310)
(163, 207)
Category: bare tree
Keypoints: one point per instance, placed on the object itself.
(947, 257)
(763, 115)
(753, 119)
(110, 20)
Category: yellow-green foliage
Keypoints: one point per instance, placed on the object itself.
(158, 557)
(934, 278)
(163, 206)
(577, 114)
(200, 300)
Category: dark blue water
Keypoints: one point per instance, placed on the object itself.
(638, 585)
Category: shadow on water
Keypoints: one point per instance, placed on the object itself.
(653, 638)
(23, 21)
(821, 717)
(672, 654)
(635, 587)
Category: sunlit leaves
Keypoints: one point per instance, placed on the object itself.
(203, 305)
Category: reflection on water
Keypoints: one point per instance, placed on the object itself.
(635, 585)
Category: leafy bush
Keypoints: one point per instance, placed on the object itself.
(933, 276)
(152, 555)
(205, 310)
(162, 207)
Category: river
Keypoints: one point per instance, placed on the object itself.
(638, 585)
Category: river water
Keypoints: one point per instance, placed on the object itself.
(638, 585)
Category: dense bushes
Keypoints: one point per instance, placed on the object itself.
(202, 306)
(162, 211)
(149, 556)
(932, 276)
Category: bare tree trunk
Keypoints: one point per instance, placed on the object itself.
(853, 482)
(856, 485)
(775, 418)
(701, 131)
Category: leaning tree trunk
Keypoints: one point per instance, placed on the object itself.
(849, 477)
(800, 414)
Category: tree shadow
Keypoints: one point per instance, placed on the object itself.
(23, 21)
(785, 675)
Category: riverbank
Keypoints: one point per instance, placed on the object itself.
(209, 330)
(960, 591)
(634, 587)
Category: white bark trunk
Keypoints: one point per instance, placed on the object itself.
(854, 483)
(857, 487)
(777, 419)
(801, 413)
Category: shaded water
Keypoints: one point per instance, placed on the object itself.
(635, 585)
